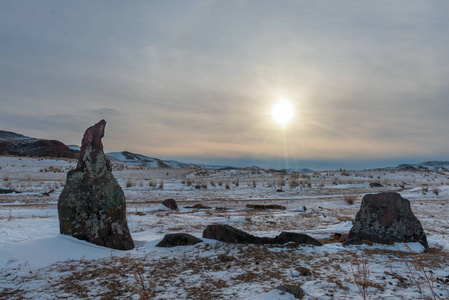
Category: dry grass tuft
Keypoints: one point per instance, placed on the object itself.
(350, 199)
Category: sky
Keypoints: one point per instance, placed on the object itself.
(197, 80)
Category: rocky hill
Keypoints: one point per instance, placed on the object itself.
(16, 144)
(425, 166)
(142, 160)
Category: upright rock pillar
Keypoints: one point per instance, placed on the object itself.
(92, 205)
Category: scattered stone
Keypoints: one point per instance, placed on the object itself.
(170, 203)
(386, 218)
(443, 279)
(92, 205)
(304, 271)
(221, 208)
(199, 206)
(178, 239)
(295, 290)
(265, 206)
(297, 238)
(375, 184)
(229, 234)
(47, 193)
(225, 258)
(303, 208)
(7, 191)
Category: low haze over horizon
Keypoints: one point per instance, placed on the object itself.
(277, 84)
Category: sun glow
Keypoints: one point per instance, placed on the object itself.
(282, 112)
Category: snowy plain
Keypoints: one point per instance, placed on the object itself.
(39, 263)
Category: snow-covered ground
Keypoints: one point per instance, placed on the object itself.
(39, 263)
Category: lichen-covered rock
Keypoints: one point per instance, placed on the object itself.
(92, 205)
(178, 239)
(386, 218)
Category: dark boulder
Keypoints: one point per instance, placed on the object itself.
(386, 218)
(170, 203)
(199, 206)
(178, 239)
(265, 206)
(229, 234)
(92, 205)
(297, 238)
(7, 191)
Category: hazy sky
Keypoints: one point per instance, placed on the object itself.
(196, 80)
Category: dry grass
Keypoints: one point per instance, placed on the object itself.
(350, 199)
(361, 273)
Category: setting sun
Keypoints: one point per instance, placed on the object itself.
(282, 112)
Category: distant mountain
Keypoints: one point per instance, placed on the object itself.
(74, 147)
(142, 160)
(425, 166)
(11, 136)
(16, 144)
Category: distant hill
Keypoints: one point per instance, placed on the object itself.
(11, 136)
(16, 144)
(142, 160)
(425, 166)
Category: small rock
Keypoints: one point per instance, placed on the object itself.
(6, 191)
(265, 206)
(297, 238)
(304, 271)
(199, 206)
(295, 290)
(178, 239)
(170, 203)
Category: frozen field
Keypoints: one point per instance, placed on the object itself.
(38, 263)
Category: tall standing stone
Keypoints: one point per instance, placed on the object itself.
(92, 205)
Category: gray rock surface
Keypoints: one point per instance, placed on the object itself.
(386, 218)
(92, 205)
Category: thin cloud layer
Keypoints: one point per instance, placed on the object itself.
(198, 79)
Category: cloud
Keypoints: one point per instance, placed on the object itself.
(186, 78)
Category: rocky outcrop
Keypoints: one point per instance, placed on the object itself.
(386, 218)
(37, 148)
(92, 205)
(229, 234)
(178, 239)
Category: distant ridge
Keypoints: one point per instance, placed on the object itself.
(16, 144)
(130, 158)
(425, 166)
(11, 136)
